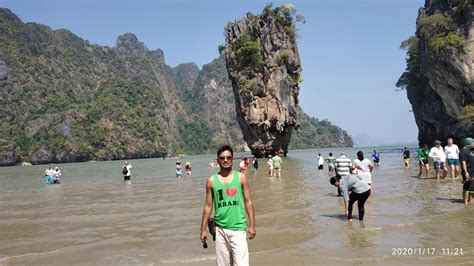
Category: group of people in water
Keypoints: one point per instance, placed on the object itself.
(353, 179)
(187, 168)
(440, 156)
(228, 193)
(274, 165)
(450, 157)
(52, 176)
(127, 166)
(244, 165)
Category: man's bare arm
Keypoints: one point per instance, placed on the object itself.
(248, 206)
(464, 168)
(206, 213)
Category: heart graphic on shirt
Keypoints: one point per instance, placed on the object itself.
(231, 192)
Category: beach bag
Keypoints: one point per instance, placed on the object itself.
(124, 170)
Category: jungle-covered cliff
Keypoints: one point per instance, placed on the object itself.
(439, 75)
(66, 100)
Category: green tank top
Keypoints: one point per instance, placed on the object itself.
(229, 208)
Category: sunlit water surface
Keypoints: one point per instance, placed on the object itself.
(93, 217)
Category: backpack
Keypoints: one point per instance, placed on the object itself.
(124, 170)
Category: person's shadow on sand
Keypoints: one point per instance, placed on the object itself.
(341, 217)
(451, 200)
(414, 176)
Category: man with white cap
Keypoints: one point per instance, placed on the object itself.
(439, 157)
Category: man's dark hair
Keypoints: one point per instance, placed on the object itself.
(330, 154)
(360, 155)
(333, 180)
(225, 148)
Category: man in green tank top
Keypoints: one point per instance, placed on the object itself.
(228, 192)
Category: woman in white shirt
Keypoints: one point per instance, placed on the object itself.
(270, 165)
(452, 153)
(364, 167)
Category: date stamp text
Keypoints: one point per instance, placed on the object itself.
(427, 252)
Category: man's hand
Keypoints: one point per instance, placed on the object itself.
(203, 235)
(251, 232)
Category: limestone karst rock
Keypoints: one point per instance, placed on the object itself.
(264, 66)
(439, 76)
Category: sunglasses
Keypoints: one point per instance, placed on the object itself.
(223, 158)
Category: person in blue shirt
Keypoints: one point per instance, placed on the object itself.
(376, 158)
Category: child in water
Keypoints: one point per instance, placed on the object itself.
(188, 168)
(178, 169)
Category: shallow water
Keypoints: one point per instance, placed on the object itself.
(95, 218)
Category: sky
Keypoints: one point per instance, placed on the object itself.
(349, 49)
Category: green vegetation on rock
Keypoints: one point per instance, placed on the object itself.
(318, 134)
(286, 15)
(442, 33)
(412, 77)
(248, 54)
(435, 22)
(467, 113)
(452, 39)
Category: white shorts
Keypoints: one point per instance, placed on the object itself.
(231, 247)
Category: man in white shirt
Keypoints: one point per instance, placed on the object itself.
(320, 162)
(343, 165)
(126, 172)
(56, 175)
(452, 153)
(438, 155)
(343, 168)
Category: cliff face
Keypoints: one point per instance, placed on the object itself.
(439, 77)
(214, 103)
(263, 64)
(64, 100)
